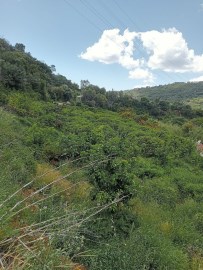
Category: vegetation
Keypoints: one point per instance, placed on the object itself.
(190, 93)
(102, 182)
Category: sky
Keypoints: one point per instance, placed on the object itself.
(116, 44)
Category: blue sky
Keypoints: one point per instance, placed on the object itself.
(116, 44)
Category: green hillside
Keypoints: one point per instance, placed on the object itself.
(185, 92)
(95, 180)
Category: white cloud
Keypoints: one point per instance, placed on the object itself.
(140, 73)
(197, 63)
(198, 79)
(113, 47)
(166, 50)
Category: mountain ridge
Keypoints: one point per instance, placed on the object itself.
(178, 91)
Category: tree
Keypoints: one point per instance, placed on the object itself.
(20, 47)
(53, 68)
(89, 96)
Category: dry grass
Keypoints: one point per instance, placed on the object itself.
(33, 242)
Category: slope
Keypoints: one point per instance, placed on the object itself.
(103, 184)
(185, 92)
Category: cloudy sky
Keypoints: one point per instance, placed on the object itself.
(116, 44)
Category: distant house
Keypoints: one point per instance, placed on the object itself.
(62, 103)
(79, 98)
(200, 148)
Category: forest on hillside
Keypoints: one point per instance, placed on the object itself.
(189, 93)
(94, 179)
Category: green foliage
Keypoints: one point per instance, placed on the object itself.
(172, 92)
(17, 163)
(145, 249)
(22, 72)
(160, 190)
(140, 154)
(113, 179)
(20, 47)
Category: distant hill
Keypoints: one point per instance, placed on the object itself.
(185, 92)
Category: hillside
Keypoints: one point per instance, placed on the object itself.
(100, 182)
(185, 92)
(21, 72)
